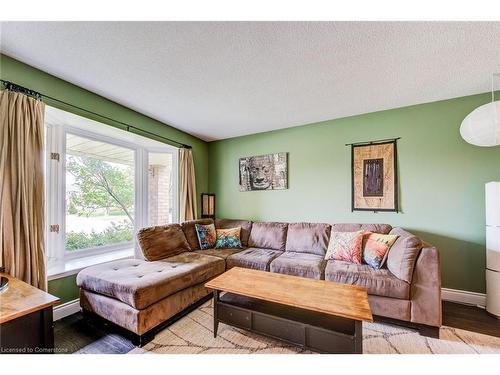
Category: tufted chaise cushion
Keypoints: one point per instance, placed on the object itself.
(139, 283)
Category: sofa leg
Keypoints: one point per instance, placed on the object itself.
(141, 340)
(429, 331)
(88, 317)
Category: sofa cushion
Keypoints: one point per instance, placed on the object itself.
(258, 259)
(220, 253)
(188, 227)
(246, 227)
(351, 227)
(268, 236)
(139, 283)
(307, 238)
(299, 264)
(162, 241)
(378, 282)
(403, 254)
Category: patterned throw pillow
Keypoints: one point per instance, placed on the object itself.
(345, 246)
(228, 238)
(206, 235)
(376, 248)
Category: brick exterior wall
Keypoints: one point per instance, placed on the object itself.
(160, 197)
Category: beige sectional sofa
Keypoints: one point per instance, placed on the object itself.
(143, 295)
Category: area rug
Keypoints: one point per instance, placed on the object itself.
(193, 334)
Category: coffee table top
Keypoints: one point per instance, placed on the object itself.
(21, 299)
(348, 301)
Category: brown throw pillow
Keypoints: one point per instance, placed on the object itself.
(268, 235)
(162, 241)
(403, 254)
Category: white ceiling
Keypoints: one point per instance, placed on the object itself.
(218, 80)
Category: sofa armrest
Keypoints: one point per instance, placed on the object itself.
(425, 291)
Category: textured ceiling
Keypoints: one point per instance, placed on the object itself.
(218, 80)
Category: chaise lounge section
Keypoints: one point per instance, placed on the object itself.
(141, 295)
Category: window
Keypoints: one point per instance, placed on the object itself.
(102, 185)
(100, 193)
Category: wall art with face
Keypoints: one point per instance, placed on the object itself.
(264, 172)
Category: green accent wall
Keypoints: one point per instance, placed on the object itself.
(441, 179)
(65, 288)
(28, 76)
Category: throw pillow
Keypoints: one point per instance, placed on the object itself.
(376, 247)
(162, 241)
(206, 235)
(345, 246)
(228, 238)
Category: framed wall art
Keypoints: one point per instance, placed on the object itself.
(374, 176)
(264, 172)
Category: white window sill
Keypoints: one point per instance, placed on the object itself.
(73, 266)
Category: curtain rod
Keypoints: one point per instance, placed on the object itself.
(373, 142)
(10, 86)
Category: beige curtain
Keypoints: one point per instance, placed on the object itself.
(22, 250)
(187, 185)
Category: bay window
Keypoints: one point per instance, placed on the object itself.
(102, 185)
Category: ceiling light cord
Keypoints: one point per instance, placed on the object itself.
(493, 76)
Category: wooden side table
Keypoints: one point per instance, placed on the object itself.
(26, 322)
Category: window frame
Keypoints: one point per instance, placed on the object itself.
(55, 191)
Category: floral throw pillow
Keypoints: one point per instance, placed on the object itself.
(206, 235)
(228, 238)
(376, 248)
(345, 246)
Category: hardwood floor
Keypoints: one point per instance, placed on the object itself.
(75, 335)
(470, 318)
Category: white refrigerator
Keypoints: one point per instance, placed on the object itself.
(493, 248)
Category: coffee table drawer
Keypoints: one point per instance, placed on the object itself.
(234, 316)
(328, 341)
(286, 330)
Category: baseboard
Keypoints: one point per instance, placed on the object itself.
(463, 296)
(67, 309)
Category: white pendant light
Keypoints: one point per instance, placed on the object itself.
(481, 127)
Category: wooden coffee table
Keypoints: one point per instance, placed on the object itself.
(319, 315)
(26, 324)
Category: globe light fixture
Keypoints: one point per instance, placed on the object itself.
(481, 127)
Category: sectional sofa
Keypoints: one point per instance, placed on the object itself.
(142, 295)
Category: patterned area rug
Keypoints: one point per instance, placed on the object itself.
(193, 334)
